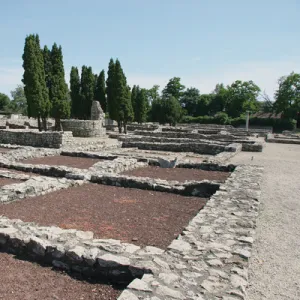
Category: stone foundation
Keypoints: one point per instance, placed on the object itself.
(201, 148)
(84, 128)
(48, 139)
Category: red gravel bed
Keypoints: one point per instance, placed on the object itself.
(18, 172)
(131, 215)
(179, 174)
(61, 160)
(4, 150)
(6, 181)
(30, 281)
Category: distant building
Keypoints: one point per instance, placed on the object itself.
(264, 115)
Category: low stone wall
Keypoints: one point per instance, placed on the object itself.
(32, 187)
(155, 139)
(189, 135)
(148, 127)
(207, 166)
(209, 260)
(282, 139)
(203, 188)
(75, 250)
(84, 128)
(48, 139)
(253, 147)
(201, 148)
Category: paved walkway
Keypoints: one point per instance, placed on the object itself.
(275, 264)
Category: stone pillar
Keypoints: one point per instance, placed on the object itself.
(96, 111)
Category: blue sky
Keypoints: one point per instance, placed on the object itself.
(203, 42)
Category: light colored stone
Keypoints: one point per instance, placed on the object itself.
(168, 278)
(243, 253)
(238, 281)
(139, 285)
(167, 292)
(215, 263)
(126, 295)
(180, 245)
(110, 259)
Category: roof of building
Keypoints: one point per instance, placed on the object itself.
(264, 115)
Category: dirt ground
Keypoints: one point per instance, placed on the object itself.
(179, 174)
(7, 181)
(132, 215)
(25, 280)
(61, 160)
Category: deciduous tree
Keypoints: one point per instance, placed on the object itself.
(174, 88)
(287, 96)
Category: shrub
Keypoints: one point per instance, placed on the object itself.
(222, 118)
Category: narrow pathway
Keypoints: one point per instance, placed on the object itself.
(275, 263)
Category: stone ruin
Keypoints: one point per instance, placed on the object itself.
(87, 128)
(97, 112)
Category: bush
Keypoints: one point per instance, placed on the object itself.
(222, 119)
(277, 124)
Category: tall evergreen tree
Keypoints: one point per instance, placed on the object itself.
(110, 91)
(87, 91)
(141, 107)
(47, 66)
(58, 89)
(95, 85)
(134, 94)
(34, 81)
(45, 107)
(123, 101)
(100, 90)
(75, 92)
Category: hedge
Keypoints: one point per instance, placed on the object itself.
(277, 124)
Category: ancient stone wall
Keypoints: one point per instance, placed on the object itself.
(49, 139)
(84, 128)
(201, 148)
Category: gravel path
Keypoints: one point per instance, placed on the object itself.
(275, 263)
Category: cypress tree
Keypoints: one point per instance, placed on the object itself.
(134, 93)
(47, 66)
(59, 89)
(110, 91)
(123, 98)
(75, 92)
(87, 91)
(95, 85)
(141, 107)
(100, 90)
(34, 81)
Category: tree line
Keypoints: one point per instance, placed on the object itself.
(48, 95)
